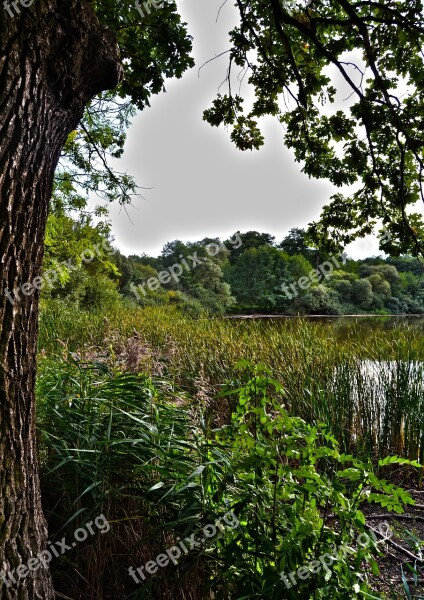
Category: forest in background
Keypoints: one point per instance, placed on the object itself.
(248, 273)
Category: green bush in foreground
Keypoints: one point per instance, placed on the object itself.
(297, 499)
(128, 447)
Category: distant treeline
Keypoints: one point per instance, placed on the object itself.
(248, 273)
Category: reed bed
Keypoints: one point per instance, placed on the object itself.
(367, 385)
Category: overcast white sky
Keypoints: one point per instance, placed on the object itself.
(201, 184)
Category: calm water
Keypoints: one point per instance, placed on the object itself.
(374, 396)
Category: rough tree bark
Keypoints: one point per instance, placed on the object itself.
(54, 57)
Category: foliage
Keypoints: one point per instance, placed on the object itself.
(79, 261)
(360, 377)
(106, 439)
(284, 478)
(199, 286)
(345, 79)
(135, 449)
(153, 48)
(250, 276)
(255, 273)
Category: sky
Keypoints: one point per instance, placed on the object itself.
(200, 184)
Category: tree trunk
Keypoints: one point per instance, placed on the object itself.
(54, 57)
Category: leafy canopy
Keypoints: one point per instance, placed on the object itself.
(345, 79)
(153, 47)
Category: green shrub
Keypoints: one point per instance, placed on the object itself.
(296, 497)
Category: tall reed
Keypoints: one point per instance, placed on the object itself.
(366, 385)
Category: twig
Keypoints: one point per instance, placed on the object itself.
(396, 546)
(410, 581)
(395, 516)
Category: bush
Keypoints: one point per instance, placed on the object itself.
(296, 497)
(100, 293)
(187, 305)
